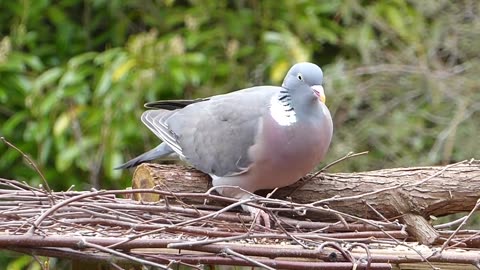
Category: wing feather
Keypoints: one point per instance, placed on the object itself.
(216, 135)
(155, 121)
(172, 104)
(213, 134)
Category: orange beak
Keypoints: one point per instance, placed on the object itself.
(318, 90)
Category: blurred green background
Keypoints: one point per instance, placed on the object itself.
(401, 77)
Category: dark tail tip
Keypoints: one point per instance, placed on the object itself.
(160, 151)
(130, 164)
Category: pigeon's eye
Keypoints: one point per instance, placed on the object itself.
(299, 77)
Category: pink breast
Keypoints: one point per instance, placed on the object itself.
(286, 153)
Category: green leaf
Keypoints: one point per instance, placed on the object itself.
(112, 160)
(108, 56)
(15, 62)
(69, 77)
(33, 62)
(47, 104)
(397, 20)
(61, 124)
(124, 68)
(278, 71)
(78, 60)
(45, 150)
(19, 263)
(104, 83)
(47, 78)
(13, 122)
(3, 95)
(66, 157)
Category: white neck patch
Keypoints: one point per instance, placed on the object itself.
(282, 111)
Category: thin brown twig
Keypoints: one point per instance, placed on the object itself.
(228, 251)
(436, 174)
(178, 262)
(445, 244)
(367, 251)
(30, 161)
(116, 266)
(84, 243)
(359, 196)
(181, 245)
(211, 215)
(345, 253)
(473, 236)
(347, 156)
(42, 265)
(398, 243)
(376, 212)
(294, 238)
(450, 224)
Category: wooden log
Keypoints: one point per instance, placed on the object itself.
(411, 194)
(428, 191)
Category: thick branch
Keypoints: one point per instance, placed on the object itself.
(426, 191)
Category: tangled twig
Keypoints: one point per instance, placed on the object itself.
(104, 225)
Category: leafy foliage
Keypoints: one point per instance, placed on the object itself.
(401, 76)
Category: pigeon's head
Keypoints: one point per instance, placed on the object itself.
(305, 74)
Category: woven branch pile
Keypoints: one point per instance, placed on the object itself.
(108, 227)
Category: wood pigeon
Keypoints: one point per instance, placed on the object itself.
(261, 137)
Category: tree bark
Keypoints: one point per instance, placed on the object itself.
(411, 194)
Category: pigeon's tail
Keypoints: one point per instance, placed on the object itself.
(161, 151)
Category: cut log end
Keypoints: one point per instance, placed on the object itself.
(144, 178)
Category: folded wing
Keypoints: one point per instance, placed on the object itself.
(214, 135)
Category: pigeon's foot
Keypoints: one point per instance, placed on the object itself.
(258, 216)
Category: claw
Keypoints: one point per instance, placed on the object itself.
(258, 215)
